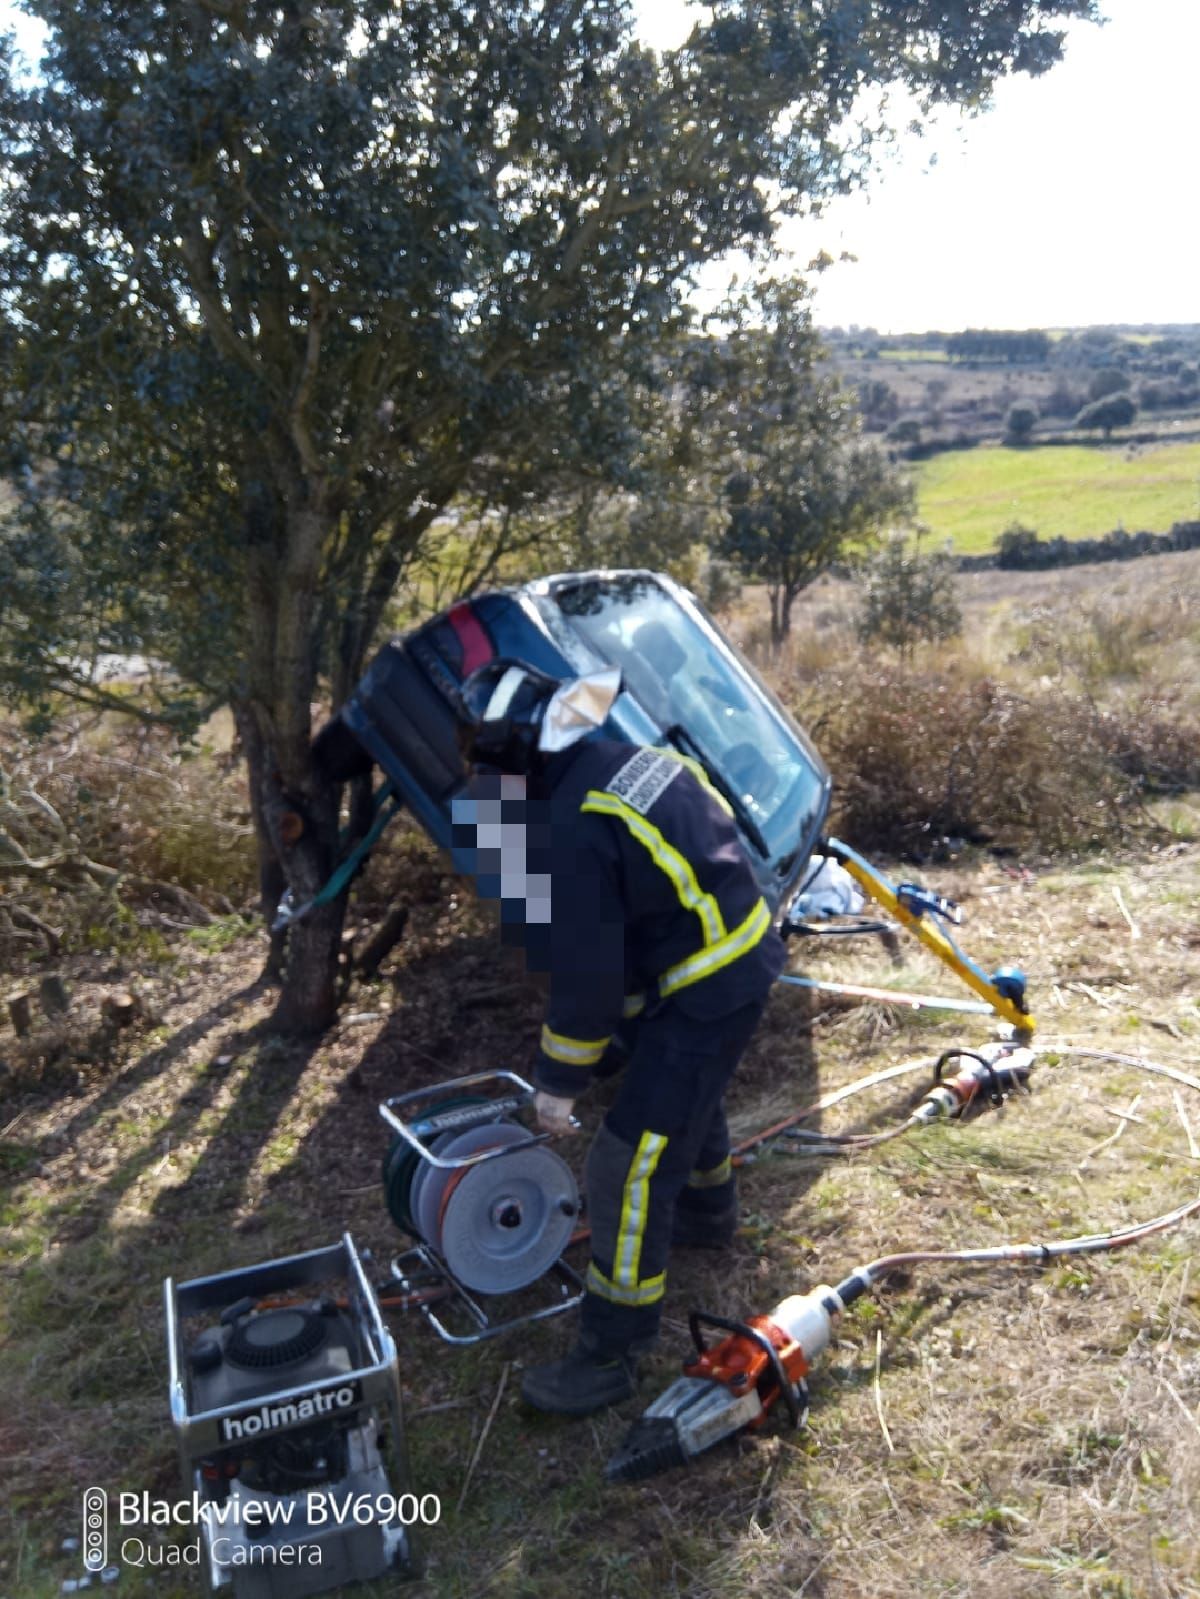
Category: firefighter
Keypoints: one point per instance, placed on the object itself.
(654, 912)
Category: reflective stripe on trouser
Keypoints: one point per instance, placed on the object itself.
(715, 1177)
(666, 1122)
(628, 1253)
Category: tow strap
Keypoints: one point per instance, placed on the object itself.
(385, 803)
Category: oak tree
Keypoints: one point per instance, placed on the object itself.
(283, 282)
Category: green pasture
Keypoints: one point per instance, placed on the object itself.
(913, 354)
(1077, 491)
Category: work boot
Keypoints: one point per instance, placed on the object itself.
(693, 1228)
(582, 1381)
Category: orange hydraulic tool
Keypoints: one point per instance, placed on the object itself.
(730, 1385)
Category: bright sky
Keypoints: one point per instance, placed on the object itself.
(1072, 201)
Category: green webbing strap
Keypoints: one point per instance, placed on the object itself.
(384, 805)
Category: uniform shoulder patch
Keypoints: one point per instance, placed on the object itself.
(642, 779)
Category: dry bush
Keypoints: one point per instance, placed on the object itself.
(919, 756)
(141, 803)
(1102, 643)
(101, 821)
(1155, 740)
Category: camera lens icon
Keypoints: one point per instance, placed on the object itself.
(95, 1529)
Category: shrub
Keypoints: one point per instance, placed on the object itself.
(1105, 381)
(1021, 421)
(133, 803)
(1062, 401)
(1017, 546)
(907, 596)
(719, 584)
(919, 756)
(907, 431)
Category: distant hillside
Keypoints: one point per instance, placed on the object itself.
(929, 392)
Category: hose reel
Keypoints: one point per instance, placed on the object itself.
(492, 1206)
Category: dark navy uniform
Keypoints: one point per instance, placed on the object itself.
(654, 910)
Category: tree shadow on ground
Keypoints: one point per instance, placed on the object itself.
(159, 1059)
(215, 1184)
(473, 1007)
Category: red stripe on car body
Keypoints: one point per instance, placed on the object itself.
(469, 630)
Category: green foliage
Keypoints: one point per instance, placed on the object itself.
(718, 585)
(989, 344)
(906, 431)
(802, 488)
(908, 596)
(877, 400)
(1107, 380)
(1115, 411)
(221, 933)
(1062, 400)
(1016, 545)
(1020, 423)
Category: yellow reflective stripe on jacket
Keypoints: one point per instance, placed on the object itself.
(713, 1178)
(647, 1293)
(634, 1005)
(635, 1205)
(698, 772)
(665, 856)
(711, 959)
(573, 1051)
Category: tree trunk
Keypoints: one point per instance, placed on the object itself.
(775, 596)
(309, 1001)
(271, 881)
(787, 598)
(300, 806)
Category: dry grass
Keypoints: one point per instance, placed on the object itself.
(172, 823)
(1039, 1442)
(965, 742)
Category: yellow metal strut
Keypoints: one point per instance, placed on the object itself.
(877, 887)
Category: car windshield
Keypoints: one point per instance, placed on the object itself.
(683, 678)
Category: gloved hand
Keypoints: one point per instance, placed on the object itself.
(553, 1113)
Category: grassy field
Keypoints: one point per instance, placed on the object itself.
(971, 496)
(1014, 1431)
(925, 357)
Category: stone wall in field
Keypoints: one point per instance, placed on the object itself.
(1021, 550)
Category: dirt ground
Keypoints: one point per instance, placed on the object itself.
(1006, 1431)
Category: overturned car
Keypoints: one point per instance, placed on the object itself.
(684, 687)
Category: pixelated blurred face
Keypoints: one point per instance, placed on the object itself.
(501, 839)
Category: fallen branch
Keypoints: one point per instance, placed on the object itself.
(383, 942)
(487, 1427)
(1134, 931)
(26, 918)
(1127, 1117)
